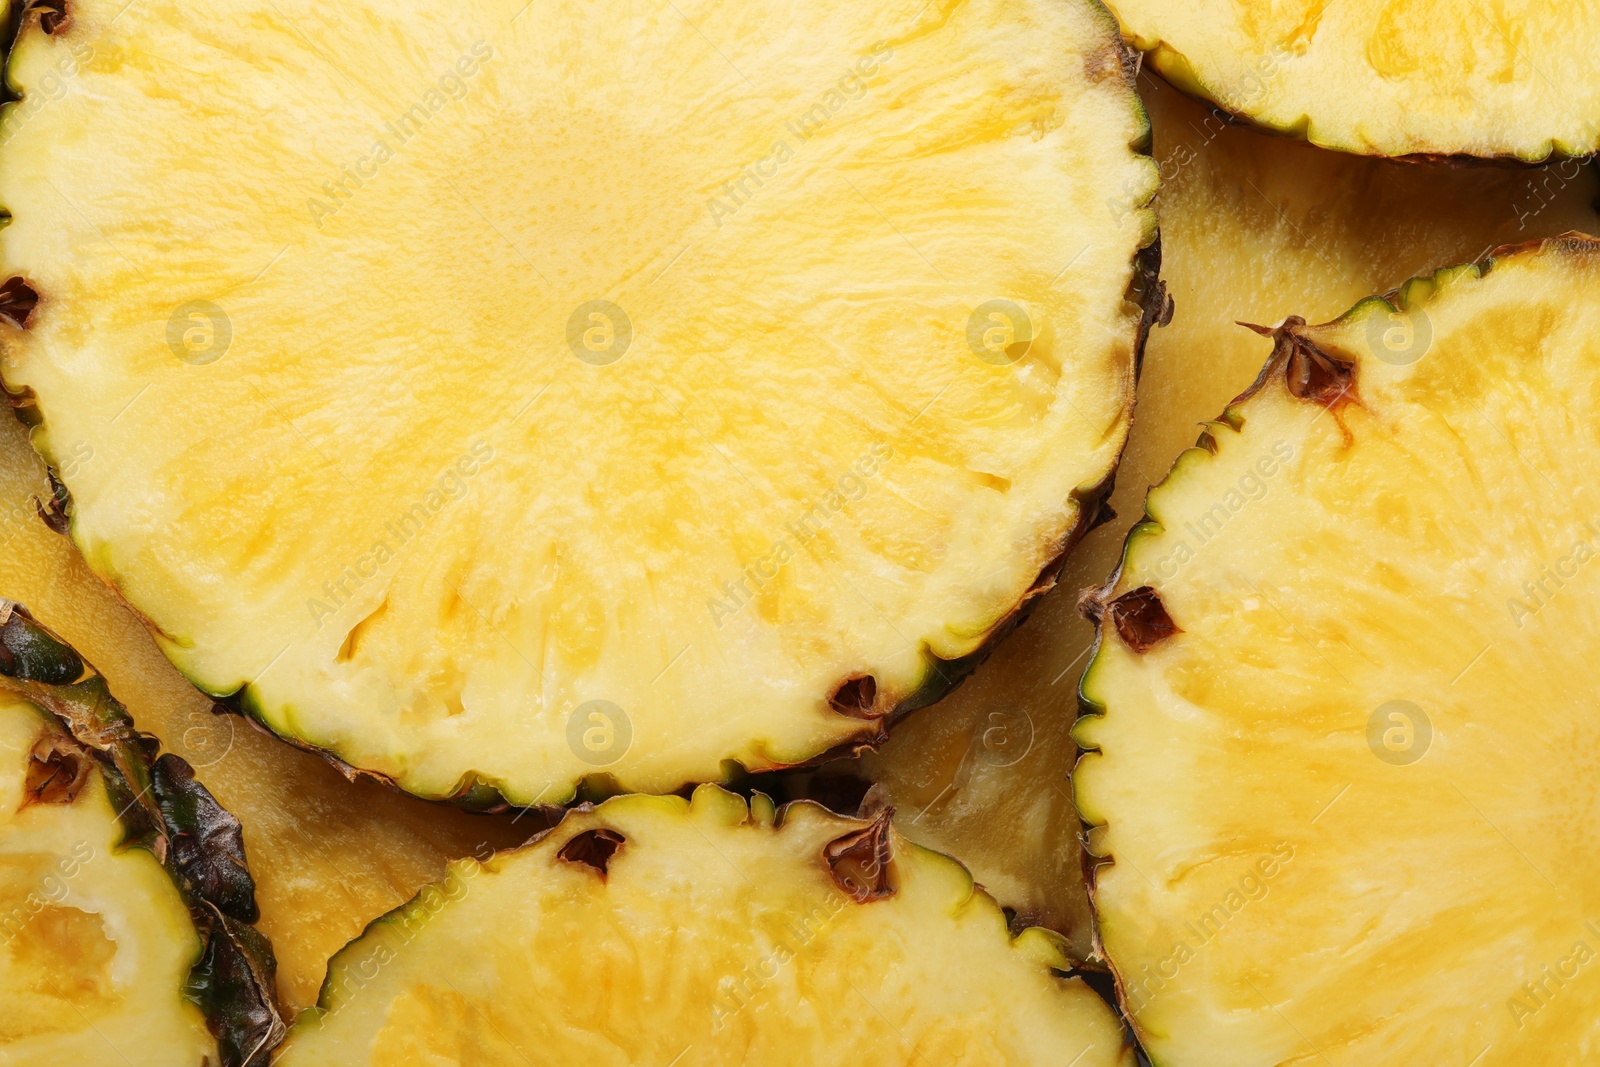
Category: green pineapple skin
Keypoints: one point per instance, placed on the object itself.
(167, 812)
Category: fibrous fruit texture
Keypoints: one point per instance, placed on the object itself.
(327, 856)
(1342, 767)
(1253, 228)
(655, 929)
(543, 392)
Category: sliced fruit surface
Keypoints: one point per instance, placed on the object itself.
(1389, 77)
(655, 928)
(1253, 228)
(1342, 776)
(328, 855)
(540, 393)
(985, 775)
(125, 902)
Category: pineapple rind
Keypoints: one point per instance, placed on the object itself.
(180, 957)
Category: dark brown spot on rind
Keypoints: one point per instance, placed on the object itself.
(857, 697)
(1113, 59)
(1168, 306)
(874, 802)
(1309, 373)
(593, 848)
(1148, 292)
(859, 861)
(1314, 375)
(57, 771)
(53, 15)
(1141, 619)
(17, 301)
(1103, 513)
(1090, 606)
(53, 514)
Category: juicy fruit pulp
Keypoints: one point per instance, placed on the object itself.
(328, 856)
(75, 913)
(124, 898)
(1253, 228)
(1344, 768)
(549, 392)
(1389, 77)
(710, 932)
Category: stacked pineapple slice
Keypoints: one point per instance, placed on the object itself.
(578, 391)
(1253, 229)
(554, 401)
(681, 391)
(1342, 729)
(707, 931)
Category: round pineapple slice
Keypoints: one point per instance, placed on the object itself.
(1389, 77)
(125, 902)
(500, 394)
(1343, 767)
(658, 930)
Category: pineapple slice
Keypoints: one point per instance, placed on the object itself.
(1342, 774)
(501, 395)
(328, 855)
(1256, 228)
(1253, 228)
(125, 902)
(1389, 77)
(658, 930)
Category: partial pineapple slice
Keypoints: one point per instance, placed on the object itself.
(654, 930)
(125, 902)
(501, 395)
(1344, 771)
(1389, 77)
(328, 855)
(1253, 228)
